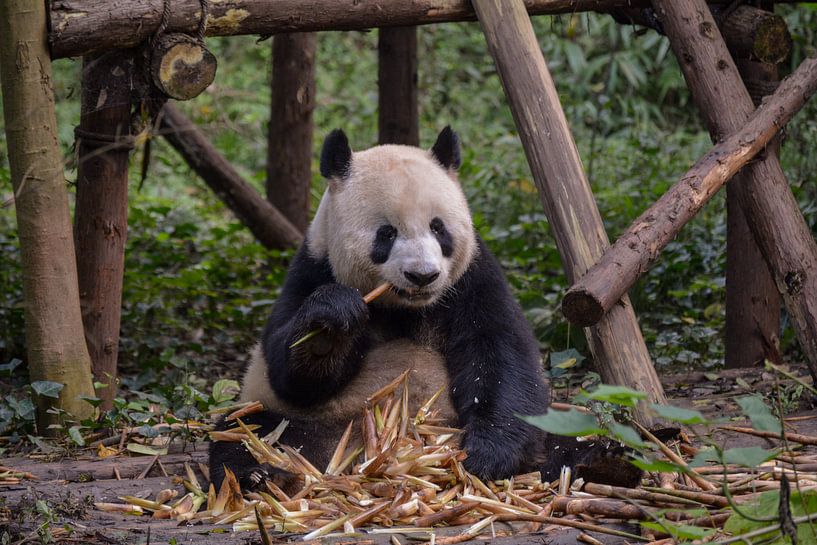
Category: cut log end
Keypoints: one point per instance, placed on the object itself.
(181, 67)
(754, 34)
(582, 308)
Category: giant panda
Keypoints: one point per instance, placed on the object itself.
(398, 214)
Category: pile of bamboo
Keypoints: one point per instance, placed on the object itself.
(405, 476)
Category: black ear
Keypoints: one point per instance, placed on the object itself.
(446, 150)
(336, 155)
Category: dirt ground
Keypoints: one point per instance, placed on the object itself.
(69, 487)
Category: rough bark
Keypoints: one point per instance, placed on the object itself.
(633, 253)
(771, 210)
(265, 221)
(79, 27)
(397, 114)
(55, 344)
(101, 213)
(754, 34)
(752, 302)
(289, 152)
(618, 347)
(181, 67)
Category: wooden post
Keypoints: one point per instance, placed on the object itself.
(752, 302)
(771, 210)
(289, 143)
(101, 214)
(53, 323)
(618, 347)
(397, 115)
(266, 222)
(635, 250)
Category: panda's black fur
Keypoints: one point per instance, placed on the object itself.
(491, 357)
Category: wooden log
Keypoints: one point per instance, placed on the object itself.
(265, 221)
(752, 332)
(618, 347)
(397, 114)
(55, 344)
(779, 228)
(79, 27)
(634, 252)
(289, 144)
(181, 66)
(101, 213)
(755, 34)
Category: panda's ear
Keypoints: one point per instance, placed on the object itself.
(446, 150)
(336, 155)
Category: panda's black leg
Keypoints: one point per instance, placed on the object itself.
(249, 473)
(599, 461)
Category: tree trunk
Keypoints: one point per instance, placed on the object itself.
(397, 115)
(289, 152)
(752, 302)
(79, 27)
(53, 323)
(101, 213)
(618, 347)
(598, 291)
(265, 221)
(771, 210)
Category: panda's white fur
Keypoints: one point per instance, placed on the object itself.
(405, 187)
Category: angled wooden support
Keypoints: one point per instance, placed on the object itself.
(598, 291)
(267, 223)
(618, 347)
(779, 228)
(55, 345)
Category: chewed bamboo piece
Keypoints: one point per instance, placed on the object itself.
(368, 298)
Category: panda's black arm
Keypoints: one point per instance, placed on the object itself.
(494, 365)
(311, 299)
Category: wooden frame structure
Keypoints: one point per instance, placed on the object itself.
(601, 274)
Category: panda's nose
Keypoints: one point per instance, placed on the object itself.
(421, 279)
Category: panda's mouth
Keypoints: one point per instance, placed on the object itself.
(415, 296)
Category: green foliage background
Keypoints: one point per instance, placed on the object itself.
(198, 287)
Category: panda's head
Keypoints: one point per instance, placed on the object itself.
(394, 213)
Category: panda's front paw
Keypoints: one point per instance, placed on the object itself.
(255, 477)
(335, 308)
(487, 458)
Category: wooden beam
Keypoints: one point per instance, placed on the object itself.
(101, 214)
(598, 291)
(397, 113)
(79, 27)
(266, 222)
(779, 228)
(289, 143)
(55, 344)
(618, 347)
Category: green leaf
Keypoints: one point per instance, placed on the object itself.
(94, 401)
(748, 456)
(766, 506)
(225, 390)
(47, 388)
(572, 423)
(678, 414)
(565, 359)
(679, 531)
(619, 395)
(11, 365)
(654, 465)
(76, 436)
(627, 435)
(759, 413)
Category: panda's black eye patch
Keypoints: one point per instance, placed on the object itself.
(443, 236)
(383, 242)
